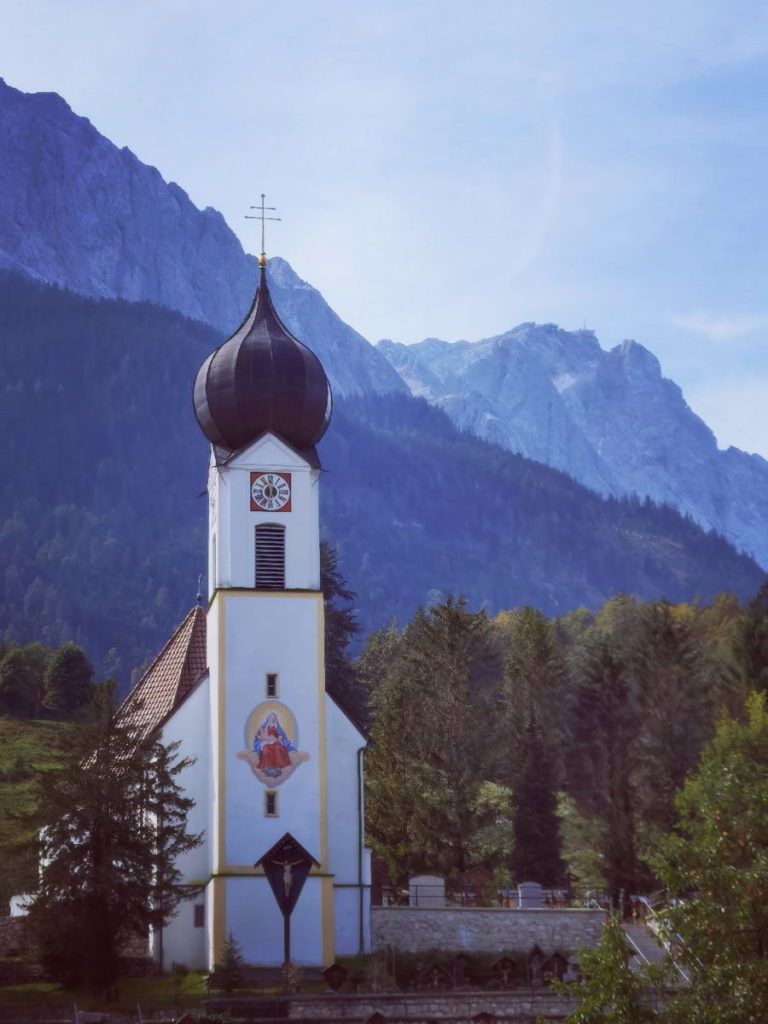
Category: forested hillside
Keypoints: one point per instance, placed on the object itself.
(102, 536)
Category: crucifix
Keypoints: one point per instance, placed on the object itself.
(286, 866)
(261, 215)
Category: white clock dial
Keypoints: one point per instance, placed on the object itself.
(270, 492)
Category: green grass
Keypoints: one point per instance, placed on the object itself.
(32, 745)
(26, 748)
(166, 992)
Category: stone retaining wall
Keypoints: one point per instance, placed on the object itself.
(484, 929)
(523, 1006)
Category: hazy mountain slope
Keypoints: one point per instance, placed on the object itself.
(102, 536)
(77, 211)
(610, 419)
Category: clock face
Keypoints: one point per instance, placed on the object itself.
(270, 492)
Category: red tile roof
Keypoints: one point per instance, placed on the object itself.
(171, 676)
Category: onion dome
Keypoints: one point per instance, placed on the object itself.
(262, 379)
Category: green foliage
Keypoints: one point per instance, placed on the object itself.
(26, 748)
(428, 805)
(536, 856)
(529, 710)
(612, 991)
(106, 871)
(228, 974)
(340, 627)
(68, 681)
(613, 709)
(603, 727)
(22, 670)
(754, 640)
(715, 867)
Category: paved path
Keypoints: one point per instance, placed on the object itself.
(645, 942)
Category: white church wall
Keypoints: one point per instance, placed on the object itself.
(184, 941)
(235, 521)
(189, 726)
(278, 634)
(347, 858)
(255, 920)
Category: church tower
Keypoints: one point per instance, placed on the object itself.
(278, 762)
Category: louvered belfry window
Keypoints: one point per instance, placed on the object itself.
(270, 557)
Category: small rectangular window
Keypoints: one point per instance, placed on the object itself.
(199, 915)
(270, 804)
(271, 684)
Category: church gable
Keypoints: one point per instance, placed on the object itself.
(270, 450)
(171, 676)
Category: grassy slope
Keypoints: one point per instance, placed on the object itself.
(25, 748)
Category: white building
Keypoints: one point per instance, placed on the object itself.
(241, 686)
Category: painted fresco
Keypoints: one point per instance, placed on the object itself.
(271, 737)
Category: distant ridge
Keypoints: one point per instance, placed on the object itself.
(102, 466)
(78, 212)
(608, 418)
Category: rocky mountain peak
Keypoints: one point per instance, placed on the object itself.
(609, 419)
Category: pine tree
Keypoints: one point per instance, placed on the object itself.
(754, 640)
(166, 807)
(536, 856)
(603, 728)
(432, 804)
(227, 973)
(105, 873)
(340, 626)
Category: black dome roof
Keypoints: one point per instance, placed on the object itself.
(262, 379)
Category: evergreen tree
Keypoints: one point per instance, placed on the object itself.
(340, 626)
(227, 973)
(68, 681)
(530, 712)
(166, 807)
(536, 856)
(754, 640)
(104, 872)
(676, 704)
(431, 803)
(604, 725)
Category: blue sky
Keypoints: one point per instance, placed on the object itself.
(450, 170)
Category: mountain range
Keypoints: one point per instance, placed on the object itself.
(116, 286)
(609, 419)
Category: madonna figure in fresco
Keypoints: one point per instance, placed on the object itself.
(272, 757)
(272, 745)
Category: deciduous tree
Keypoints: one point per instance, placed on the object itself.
(68, 681)
(715, 867)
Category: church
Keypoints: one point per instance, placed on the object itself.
(277, 774)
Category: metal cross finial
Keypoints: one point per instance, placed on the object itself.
(261, 216)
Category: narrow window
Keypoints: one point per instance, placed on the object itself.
(271, 684)
(270, 557)
(270, 804)
(199, 915)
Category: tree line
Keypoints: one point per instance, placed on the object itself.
(38, 681)
(548, 750)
